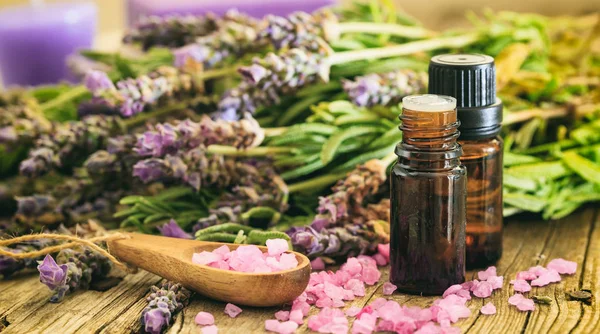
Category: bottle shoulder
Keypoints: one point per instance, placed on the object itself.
(482, 147)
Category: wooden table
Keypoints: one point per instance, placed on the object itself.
(24, 306)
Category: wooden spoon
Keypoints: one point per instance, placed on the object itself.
(171, 258)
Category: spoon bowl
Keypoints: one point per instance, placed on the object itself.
(171, 258)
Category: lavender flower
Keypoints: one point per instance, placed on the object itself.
(297, 30)
(336, 242)
(79, 65)
(132, 96)
(21, 124)
(69, 142)
(271, 77)
(171, 31)
(221, 215)
(78, 268)
(385, 89)
(163, 303)
(171, 229)
(9, 266)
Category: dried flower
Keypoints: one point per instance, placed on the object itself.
(171, 229)
(385, 89)
(21, 124)
(297, 30)
(69, 142)
(10, 266)
(163, 302)
(171, 31)
(51, 274)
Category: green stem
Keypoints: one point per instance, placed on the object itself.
(143, 117)
(65, 97)
(250, 152)
(272, 132)
(381, 28)
(217, 73)
(403, 49)
(316, 183)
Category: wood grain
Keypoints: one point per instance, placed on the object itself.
(24, 306)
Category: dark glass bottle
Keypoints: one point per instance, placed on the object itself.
(471, 80)
(428, 199)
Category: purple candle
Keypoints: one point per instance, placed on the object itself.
(36, 39)
(256, 8)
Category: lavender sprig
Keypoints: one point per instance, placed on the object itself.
(297, 30)
(132, 96)
(163, 303)
(68, 142)
(21, 124)
(385, 89)
(72, 270)
(9, 266)
(171, 31)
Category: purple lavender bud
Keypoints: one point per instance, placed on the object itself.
(8, 134)
(98, 81)
(385, 89)
(33, 205)
(156, 319)
(51, 274)
(159, 142)
(305, 240)
(254, 73)
(171, 229)
(149, 170)
(197, 53)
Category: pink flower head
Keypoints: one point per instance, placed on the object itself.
(488, 309)
(563, 266)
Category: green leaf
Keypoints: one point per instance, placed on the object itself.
(525, 202)
(296, 109)
(304, 170)
(330, 147)
(516, 182)
(540, 170)
(582, 166)
(511, 159)
(324, 129)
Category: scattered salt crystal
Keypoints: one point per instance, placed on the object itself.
(550, 276)
(287, 327)
(467, 285)
(380, 259)
(357, 287)
(377, 303)
(520, 285)
(296, 316)
(204, 318)
(370, 275)
(488, 309)
(453, 289)
(222, 250)
(212, 329)
(526, 275)
(537, 270)
(232, 310)
(484, 275)
(288, 261)
(483, 289)
(496, 281)
(388, 288)
(353, 311)
(522, 303)
(271, 325)
(277, 246)
(317, 264)
(563, 266)
(205, 258)
(384, 249)
(352, 266)
(282, 315)
(466, 294)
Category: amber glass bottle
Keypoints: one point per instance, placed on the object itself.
(471, 80)
(428, 194)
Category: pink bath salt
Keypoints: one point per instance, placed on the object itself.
(223, 250)
(522, 303)
(327, 320)
(287, 327)
(352, 311)
(302, 306)
(282, 315)
(272, 325)
(467, 285)
(220, 265)
(317, 264)
(466, 294)
(249, 252)
(205, 258)
(333, 291)
(212, 329)
(370, 275)
(377, 303)
(204, 319)
(538, 270)
(363, 326)
(550, 276)
(385, 326)
(488, 309)
(288, 261)
(380, 259)
(418, 314)
(453, 289)
(357, 287)
(388, 288)
(429, 328)
(352, 266)
(366, 261)
(348, 295)
(484, 275)
(366, 309)
(496, 281)
(296, 316)
(391, 310)
(277, 246)
(483, 289)
(324, 302)
(563, 266)
(520, 285)
(526, 275)
(404, 325)
(473, 284)
(232, 310)
(384, 249)
(450, 309)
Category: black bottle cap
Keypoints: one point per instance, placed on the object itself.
(471, 79)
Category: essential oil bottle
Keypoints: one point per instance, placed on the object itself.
(428, 198)
(471, 79)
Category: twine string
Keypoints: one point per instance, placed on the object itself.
(73, 241)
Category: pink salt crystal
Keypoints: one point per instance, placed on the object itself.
(483, 275)
(232, 310)
(453, 289)
(352, 311)
(370, 275)
(297, 316)
(204, 318)
(388, 288)
(526, 275)
(429, 328)
(365, 324)
(287, 327)
(277, 246)
(563, 266)
(384, 249)
(348, 295)
(338, 303)
(357, 287)
(520, 285)
(473, 284)
(391, 310)
(271, 325)
(538, 270)
(496, 281)
(317, 264)
(205, 258)
(467, 285)
(352, 266)
(466, 294)
(282, 315)
(302, 306)
(483, 289)
(522, 303)
(550, 276)
(366, 309)
(377, 303)
(324, 302)
(380, 259)
(288, 261)
(385, 326)
(332, 291)
(222, 250)
(210, 329)
(488, 309)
